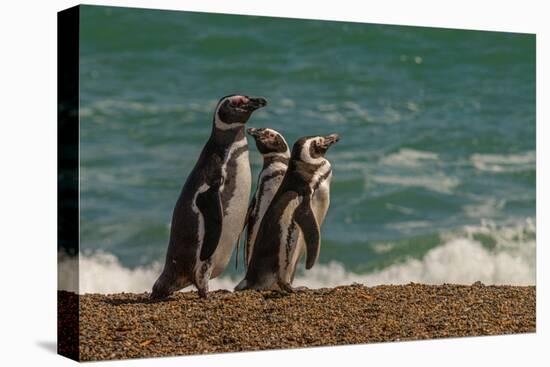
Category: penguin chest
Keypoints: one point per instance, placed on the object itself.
(269, 184)
(321, 200)
(289, 238)
(234, 194)
(264, 195)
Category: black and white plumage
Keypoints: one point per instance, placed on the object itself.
(274, 149)
(291, 224)
(210, 212)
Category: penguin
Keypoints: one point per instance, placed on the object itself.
(210, 212)
(293, 218)
(276, 154)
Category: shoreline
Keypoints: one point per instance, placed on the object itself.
(127, 325)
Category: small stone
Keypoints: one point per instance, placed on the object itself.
(119, 326)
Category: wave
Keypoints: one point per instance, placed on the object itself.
(504, 163)
(410, 158)
(114, 107)
(437, 182)
(485, 208)
(486, 253)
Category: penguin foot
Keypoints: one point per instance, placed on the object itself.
(286, 287)
(202, 278)
(243, 284)
(203, 293)
(274, 294)
(155, 298)
(158, 294)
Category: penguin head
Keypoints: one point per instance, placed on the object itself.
(269, 141)
(312, 149)
(235, 110)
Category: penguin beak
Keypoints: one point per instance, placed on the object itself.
(254, 103)
(331, 139)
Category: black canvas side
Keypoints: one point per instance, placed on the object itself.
(67, 179)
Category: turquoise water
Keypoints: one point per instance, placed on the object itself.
(437, 130)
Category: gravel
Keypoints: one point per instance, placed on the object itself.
(126, 325)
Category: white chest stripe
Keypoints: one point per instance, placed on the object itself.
(264, 198)
(224, 126)
(277, 154)
(320, 173)
(200, 218)
(229, 153)
(275, 166)
(269, 188)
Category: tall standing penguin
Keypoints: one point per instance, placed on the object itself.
(292, 219)
(210, 212)
(274, 149)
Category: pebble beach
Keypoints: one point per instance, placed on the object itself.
(126, 325)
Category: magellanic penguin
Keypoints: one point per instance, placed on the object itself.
(274, 149)
(211, 210)
(292, 219)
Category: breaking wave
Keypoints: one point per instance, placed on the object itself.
(486, 253)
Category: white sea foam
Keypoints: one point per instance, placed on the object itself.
(461, 259)
(415, 168)
(504, 163)
(438, 182)
(410, 158)
(485, 208)
(407, 227)
(67, 272)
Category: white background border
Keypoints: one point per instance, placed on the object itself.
(28, 198)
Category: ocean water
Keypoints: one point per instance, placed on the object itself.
(434, 176)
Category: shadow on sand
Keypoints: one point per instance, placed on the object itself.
(142, 300)
(48, 345)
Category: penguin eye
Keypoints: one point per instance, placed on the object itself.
(271, 135)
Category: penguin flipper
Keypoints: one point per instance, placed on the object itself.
(210, 205)
(305, 218)
(246, 252)
(237, 253)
